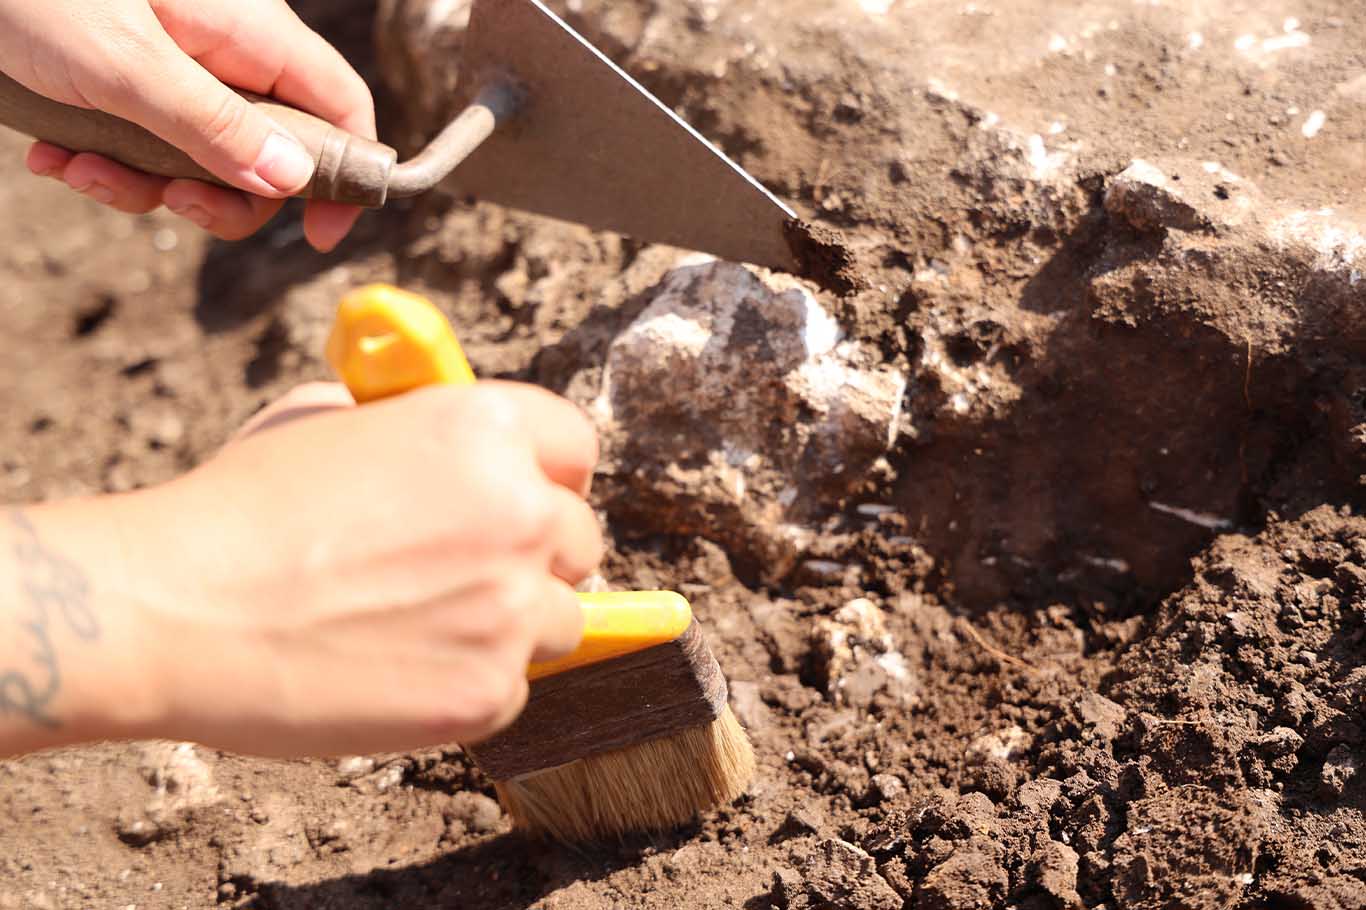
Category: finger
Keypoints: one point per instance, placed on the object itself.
(272, 52)
(275, 53)
(576, 539)
(304, 401)
(46, 160)
(565, 440)
(152, 82)
(326, 224)
(561, 624)
(113, 184)
(224, 213)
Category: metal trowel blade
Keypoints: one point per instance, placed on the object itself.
(590, 145)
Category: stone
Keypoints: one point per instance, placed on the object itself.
(732, 408)
(836, 875)
(855, 657)
(354, 766)
(478, 813)
(1004, 745)
(1180, 195)
(181, 784)
(385, 778)
(886, 788)
(1339, 768)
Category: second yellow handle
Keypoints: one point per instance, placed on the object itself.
(387, 341)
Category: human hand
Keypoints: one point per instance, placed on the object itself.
(162, 64)
(356, 580)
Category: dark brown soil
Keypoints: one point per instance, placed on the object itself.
(1118, 544)
(823, 257)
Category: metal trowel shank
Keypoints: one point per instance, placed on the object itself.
(549, 125)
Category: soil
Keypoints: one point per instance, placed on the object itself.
(1117, 551)
(823, 257)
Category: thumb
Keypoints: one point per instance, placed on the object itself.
(169, 94)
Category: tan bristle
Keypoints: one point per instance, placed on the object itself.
(651, 786)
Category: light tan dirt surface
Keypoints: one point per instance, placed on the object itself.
(1090, 633)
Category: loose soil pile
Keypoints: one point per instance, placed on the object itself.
(1091, 634)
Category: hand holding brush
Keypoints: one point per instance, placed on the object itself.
(631, 732)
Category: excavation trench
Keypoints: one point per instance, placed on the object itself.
(1046, 587)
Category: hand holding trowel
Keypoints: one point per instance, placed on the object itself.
(550, 126)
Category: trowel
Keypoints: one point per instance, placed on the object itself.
(549, 125)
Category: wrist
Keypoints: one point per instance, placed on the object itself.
(164, 650)
(198, 675)
(73, 661)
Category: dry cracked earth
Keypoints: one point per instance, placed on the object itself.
(1048, 589)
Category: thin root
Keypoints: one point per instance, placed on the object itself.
(994, 651)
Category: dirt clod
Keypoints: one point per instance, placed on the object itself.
(823, 257)
(1054, 866)
(968, 878)
(836, 875)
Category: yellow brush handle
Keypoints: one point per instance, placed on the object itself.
(388, 341)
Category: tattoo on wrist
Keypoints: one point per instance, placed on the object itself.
(52, 591)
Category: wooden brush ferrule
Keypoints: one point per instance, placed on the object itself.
(607, 706)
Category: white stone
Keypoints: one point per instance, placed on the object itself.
(734, 401)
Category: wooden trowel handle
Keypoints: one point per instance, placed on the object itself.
(349, 169)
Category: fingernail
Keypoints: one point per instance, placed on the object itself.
(284, 164)
(99, 192)
(196, 214)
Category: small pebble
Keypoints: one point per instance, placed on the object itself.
(887, 788)
(355, 766)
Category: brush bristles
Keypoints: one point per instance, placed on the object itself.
(651, 786)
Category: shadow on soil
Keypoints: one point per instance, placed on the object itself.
(240, 281)
(504, 873)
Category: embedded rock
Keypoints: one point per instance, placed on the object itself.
(856, 657)
(733, 408)
(181, 784)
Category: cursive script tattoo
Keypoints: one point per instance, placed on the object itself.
(50, 587)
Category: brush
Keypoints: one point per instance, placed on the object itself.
(630, 733)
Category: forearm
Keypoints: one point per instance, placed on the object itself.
(74, 661)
